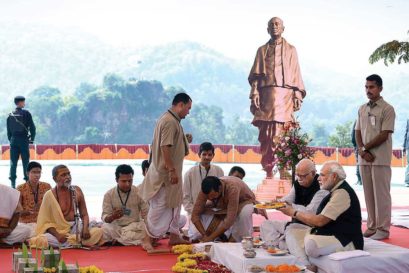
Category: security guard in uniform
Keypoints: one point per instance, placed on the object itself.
(21, 132)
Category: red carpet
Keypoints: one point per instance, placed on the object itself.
(134, 259)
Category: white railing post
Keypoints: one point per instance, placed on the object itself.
(337, 154)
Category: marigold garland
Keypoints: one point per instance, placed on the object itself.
(186, 260)
(179, 249)
(190, 256)
(90, 269)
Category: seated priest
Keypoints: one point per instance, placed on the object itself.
(123, 211)
(305, 196)
(31, 195)
(223, 210)
(56, 221)
(337, 224)
(11, 231)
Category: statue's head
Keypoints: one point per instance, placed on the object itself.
(275, 27)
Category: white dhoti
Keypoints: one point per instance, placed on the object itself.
(243, 226)
(32, 227)
(274, 232)
(319, 245)
(162, 219)
(131, 234)
(302, 245)
(53, 241)
(20, 234)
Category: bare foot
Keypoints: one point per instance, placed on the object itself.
(155, 242)
(146, 244)
(175, 239)
(312, 268)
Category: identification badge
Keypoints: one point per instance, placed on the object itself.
(126, 211)
(372, 120)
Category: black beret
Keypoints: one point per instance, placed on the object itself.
(19, 98)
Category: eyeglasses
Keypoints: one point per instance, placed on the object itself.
(303, 176)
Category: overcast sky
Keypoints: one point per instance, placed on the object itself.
(337, 34)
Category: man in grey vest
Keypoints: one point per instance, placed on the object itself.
(21, 132)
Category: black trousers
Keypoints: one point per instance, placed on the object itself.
(19, 146)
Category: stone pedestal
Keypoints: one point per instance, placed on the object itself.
(51, 260)
(25, 262)
(272, 188)
(16, 256)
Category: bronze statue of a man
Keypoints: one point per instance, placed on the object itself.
(277, 90)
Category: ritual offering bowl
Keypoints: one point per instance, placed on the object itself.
(247, 243)
(257, 242)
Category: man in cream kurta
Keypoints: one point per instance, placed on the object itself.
(162, 186)
(123, 211)
(192, 182)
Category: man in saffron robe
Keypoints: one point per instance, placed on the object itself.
(56, 218)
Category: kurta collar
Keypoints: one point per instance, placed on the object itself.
(379, 102)
(337, 185)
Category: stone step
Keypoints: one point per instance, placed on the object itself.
(272, 188)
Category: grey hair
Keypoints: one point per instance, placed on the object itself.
(308, 163)
(56, 168)
(335, 167)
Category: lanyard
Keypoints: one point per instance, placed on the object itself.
(120, 198)
(200, 172)
(173, 115)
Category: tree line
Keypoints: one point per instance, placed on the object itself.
(124, 112)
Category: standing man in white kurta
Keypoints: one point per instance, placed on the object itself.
(162, 186)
